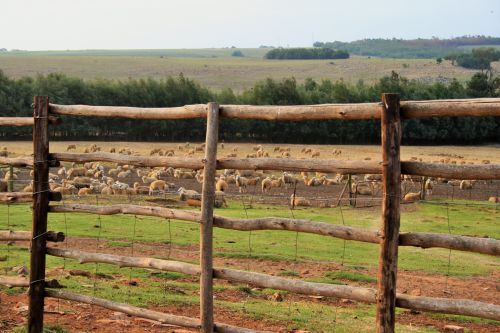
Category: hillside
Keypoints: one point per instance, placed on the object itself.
(412, 48)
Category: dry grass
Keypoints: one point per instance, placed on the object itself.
(220, 72)
(474, 154)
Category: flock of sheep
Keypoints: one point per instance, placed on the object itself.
(99, 178)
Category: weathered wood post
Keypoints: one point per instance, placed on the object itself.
(40, 211)
(10, 184)
(207, 209)
(391, 171)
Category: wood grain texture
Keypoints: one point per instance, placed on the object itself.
(388, 257)
(41, 197)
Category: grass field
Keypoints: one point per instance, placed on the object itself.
(216, 69)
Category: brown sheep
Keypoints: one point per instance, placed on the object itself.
(296, 201)
(266, 185)
(466, 184)
(412, 196)
(84, 191)
(157, 185)
(315, 153)
(71, 147)
(221, 185)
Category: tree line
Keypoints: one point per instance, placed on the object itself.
(306, 53)
(410, 48)
(16, 97)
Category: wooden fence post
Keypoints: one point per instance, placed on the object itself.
(40, 212)
(207, 209)
(10, 184)
(391, 170)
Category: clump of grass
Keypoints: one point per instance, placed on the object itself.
(351, 276)
(288, 273)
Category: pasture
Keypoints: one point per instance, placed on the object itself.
(216, 69)
(426, 272)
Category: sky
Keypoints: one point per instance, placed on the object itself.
(156, 24)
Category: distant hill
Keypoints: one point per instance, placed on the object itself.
(412, 48)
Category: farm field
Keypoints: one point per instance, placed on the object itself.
(422, 272)
(216, 69)
(475, 154)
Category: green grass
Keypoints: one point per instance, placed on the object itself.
(167, 288)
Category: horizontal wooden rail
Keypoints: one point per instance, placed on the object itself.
(473, 107)
(163, 318)
(19, 197)
(297, 165)
(21, 161)
(480, 107)
(167, 113)
(20, 281)
(489, 246)
(142, 161)
(15, 197)
(24, 121)
(451, 171)
(367, 295)
(13, 281)
(487, 171)
(12, 236)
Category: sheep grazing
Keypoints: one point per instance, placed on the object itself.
(362, 188)
(107, 190)
(199, 176)
(148, 180)
(157, 186)
(84, 191)
(221, 185)
(337, 152)
(220, 199)
(123, 174)
(188, 194)
(494, 199)
(266, 185)
(112, 150)
(329, 181)
(28, 188)
(184, 174)
(74, 172)
(315, 153)
(412, 196)
(372, 177)
(466, 185)
(141, 189)
(288, 179)
(428, 186)
(296, 201)
(232, 155)
(314, 182)
(71, 147)
(257, 148)
(241, 183)
(307, 151)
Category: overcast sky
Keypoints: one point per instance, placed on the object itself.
(127, 24)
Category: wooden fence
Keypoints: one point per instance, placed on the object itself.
(390, 111)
